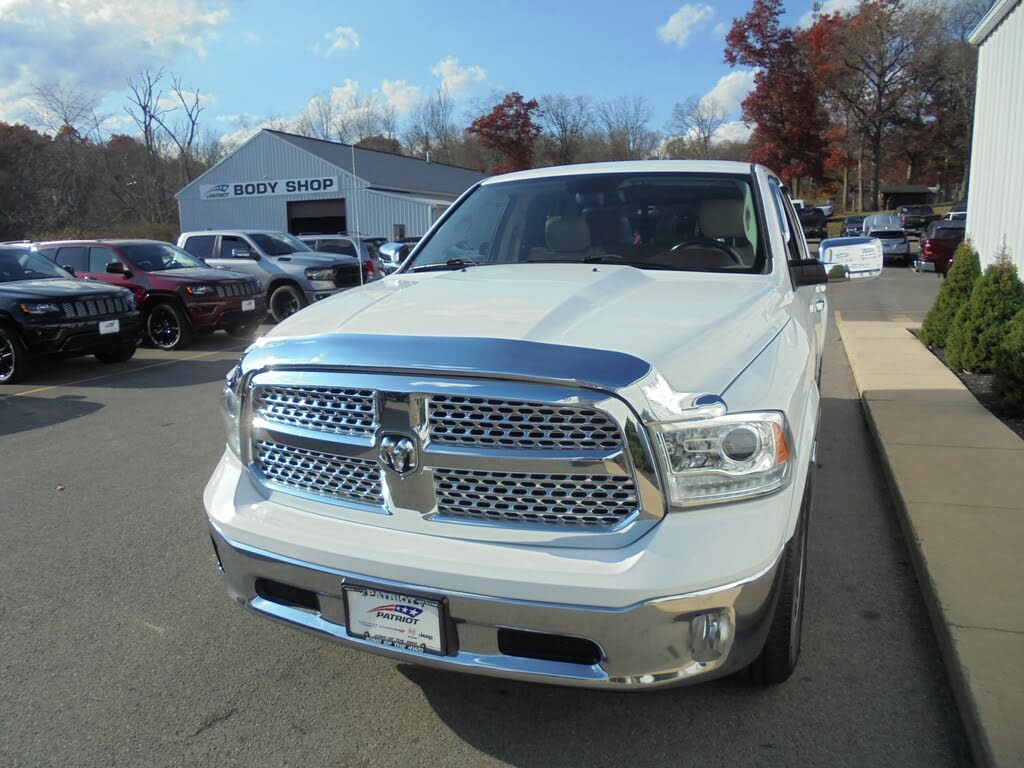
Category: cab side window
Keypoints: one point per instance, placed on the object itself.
(99, 258)
(229, 243)
(74, 256)
(343, 247)
(200, 246)
(788, 222)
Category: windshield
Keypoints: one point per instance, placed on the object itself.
(279, 243)
(676, 221)
(855, 220)
(919, 210)
(23, 264)
(157, 257)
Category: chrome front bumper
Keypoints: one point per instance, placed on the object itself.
(658, 642)
(924, 266)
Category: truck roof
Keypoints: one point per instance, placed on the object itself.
(628, 166)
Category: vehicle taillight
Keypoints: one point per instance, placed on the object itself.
(368, 266)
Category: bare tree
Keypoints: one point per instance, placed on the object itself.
(625, 122)
(565, 120)
(696, 122)
(62, 108)
(431, 129)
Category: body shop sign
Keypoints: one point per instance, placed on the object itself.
(268, 188)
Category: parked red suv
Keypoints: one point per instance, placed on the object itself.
(178, 294)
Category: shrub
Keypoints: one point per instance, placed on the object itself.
(954, 293)
(1009, 369)
(981, 325)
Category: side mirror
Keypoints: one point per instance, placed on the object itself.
(244, 253)
(851, 258)
(808, 272)
(69, 268)
(116, 268)
(403, 253)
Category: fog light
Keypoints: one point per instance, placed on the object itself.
(710, 635)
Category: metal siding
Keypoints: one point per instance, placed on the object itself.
(997, 153)
(268, 157)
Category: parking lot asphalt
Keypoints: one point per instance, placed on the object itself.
(118, 646)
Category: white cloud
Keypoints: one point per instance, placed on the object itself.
(827, 7)
(731, 89)
(684, 23)
(401, 95)
(455, 78)
(735, 130)
(722, 28)
(252, 38)
(93, 45)
(339, 39)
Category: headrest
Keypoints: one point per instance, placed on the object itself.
(722, 218)
(567, 234)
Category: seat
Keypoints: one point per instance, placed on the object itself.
(729, 220)
(566, 237)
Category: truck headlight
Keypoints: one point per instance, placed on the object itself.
(320, 274)
(231, 405)
(725, 458)
(200, 290)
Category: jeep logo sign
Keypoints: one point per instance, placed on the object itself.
(268, 188)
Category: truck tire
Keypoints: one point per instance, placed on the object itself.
(284, 301)
(167, 327)
(781, 650)
(117, 355)
(13, 357)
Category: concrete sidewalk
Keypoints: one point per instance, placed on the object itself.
(957, 474)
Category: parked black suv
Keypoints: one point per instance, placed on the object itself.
(814, 222)
(45, 311)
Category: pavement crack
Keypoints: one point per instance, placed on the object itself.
(214, 719)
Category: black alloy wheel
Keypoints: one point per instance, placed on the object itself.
(285, 301)
(167, 327)
(13, 360)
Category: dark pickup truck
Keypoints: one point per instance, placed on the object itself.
(938, 246)
(915, 218)
(814, 222)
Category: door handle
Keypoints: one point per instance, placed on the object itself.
(818, 306)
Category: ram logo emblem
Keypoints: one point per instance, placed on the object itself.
(398, 454)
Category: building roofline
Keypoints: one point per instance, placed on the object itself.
(370, 149)
(999, 11)
(180, 192)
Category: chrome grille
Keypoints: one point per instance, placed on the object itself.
(489, 423)
(320, 474)
(535, 498)
(95, 307)
(337, 410)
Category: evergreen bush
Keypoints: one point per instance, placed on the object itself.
(981, 325)
(954, 293)
(1009, 368)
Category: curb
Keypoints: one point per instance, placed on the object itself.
(970, 717)
(985, 710)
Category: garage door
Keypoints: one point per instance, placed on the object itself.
(316, 216)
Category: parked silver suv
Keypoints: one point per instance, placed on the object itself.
(289, 271)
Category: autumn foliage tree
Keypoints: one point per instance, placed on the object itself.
(509, 131)
(790, 125)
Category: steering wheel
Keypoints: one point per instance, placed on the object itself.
(707, 242)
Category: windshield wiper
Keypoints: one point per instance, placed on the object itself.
(602, 259)
(456, 263)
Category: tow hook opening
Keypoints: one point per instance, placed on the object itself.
(286, 594)
(545, 647)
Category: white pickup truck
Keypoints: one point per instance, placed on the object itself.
(570, 441)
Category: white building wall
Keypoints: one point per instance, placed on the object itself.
(268, 157)
(995, 211)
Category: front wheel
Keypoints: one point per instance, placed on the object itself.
(285, 301)
(13, 358)
(118, 355)
(781, 650)
(167, 327)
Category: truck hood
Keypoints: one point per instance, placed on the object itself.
(699, 331)
(304, 259)
(57, 289)
(200, 275)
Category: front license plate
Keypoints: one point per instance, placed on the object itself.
(249, 305)
(395, 620)
(109, 326)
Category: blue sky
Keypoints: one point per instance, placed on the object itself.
(254, 59)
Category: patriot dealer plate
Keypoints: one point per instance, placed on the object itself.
(248, 305)
(395, 620)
